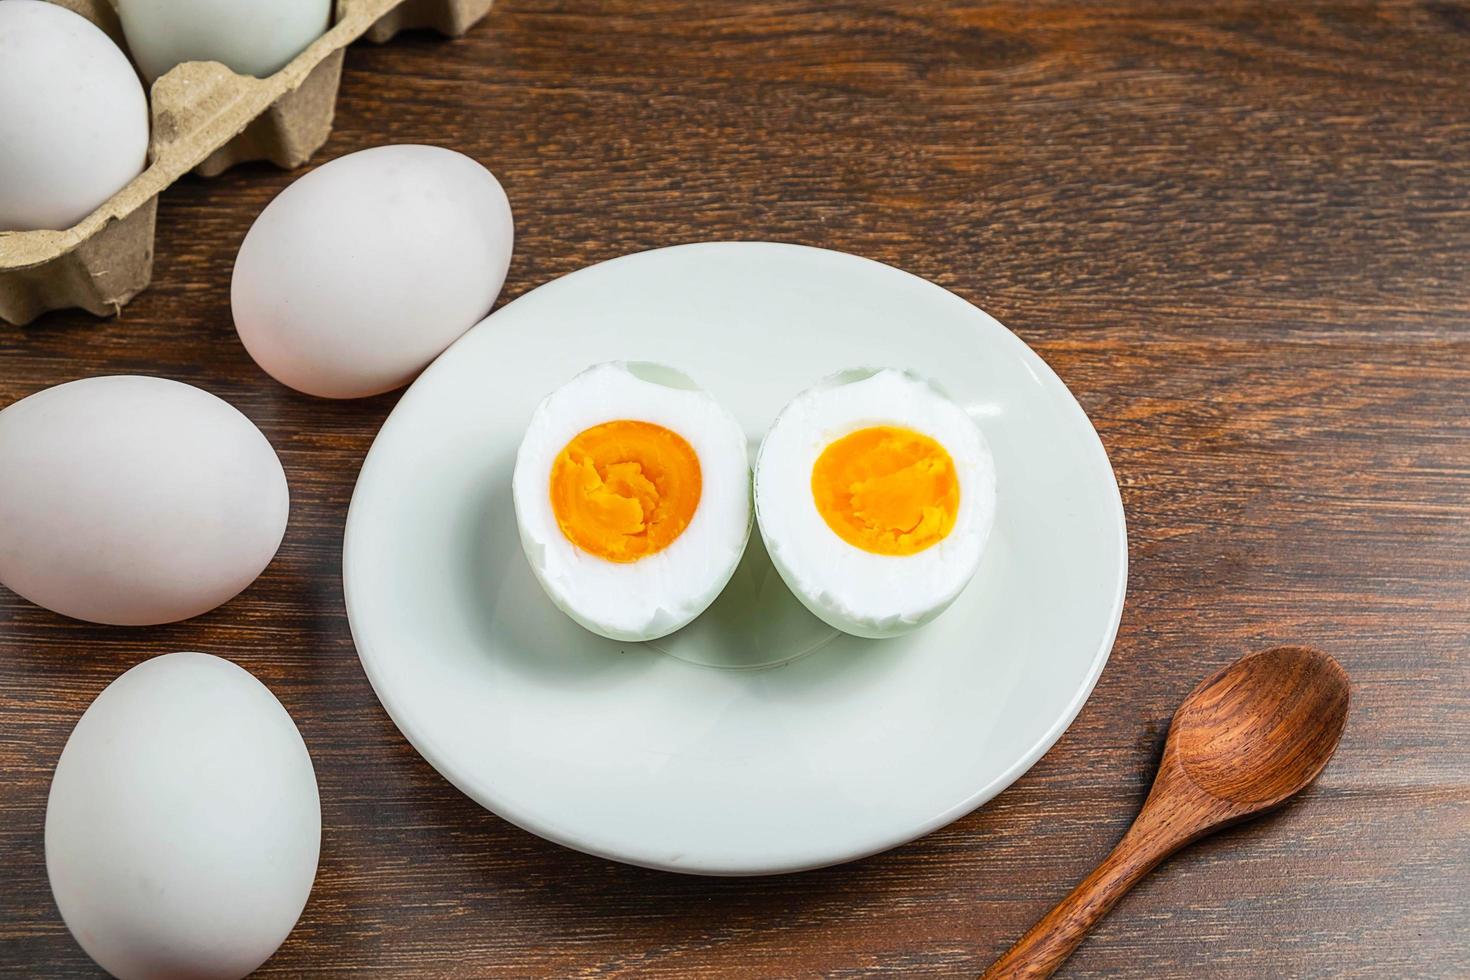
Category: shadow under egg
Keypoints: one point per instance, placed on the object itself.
(756, 621)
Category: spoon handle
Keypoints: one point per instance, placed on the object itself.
(1048, 943)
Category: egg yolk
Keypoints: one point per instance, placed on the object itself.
(624, 490)
(887, 490)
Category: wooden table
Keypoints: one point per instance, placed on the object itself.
(1240, 231)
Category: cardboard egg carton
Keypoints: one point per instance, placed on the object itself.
(206, 119)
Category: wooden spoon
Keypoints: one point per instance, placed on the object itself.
(1243, 742)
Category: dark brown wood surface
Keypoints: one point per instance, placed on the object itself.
(1240, 231)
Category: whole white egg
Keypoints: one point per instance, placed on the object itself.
(251, 37)
(360, 273)
(183, 826)
(632, 494)
(133, 500)
(875, 495)
(73, 117)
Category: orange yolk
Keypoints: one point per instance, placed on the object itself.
(624, 490)
(887, 490)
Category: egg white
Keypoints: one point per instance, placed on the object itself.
(853, 590)
(661, 592)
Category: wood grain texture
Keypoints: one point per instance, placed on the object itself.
(1243, 743)
(1238, 229)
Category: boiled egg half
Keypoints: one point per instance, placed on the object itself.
(632, 494)
(875, 495)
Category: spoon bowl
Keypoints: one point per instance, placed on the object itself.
(1243, 742)
(1260, 730)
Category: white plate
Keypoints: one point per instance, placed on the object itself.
(634, 752)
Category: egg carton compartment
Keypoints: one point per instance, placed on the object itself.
(206, 119)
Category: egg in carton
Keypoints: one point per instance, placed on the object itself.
(204, 118)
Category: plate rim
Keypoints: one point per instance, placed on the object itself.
(483, 797)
